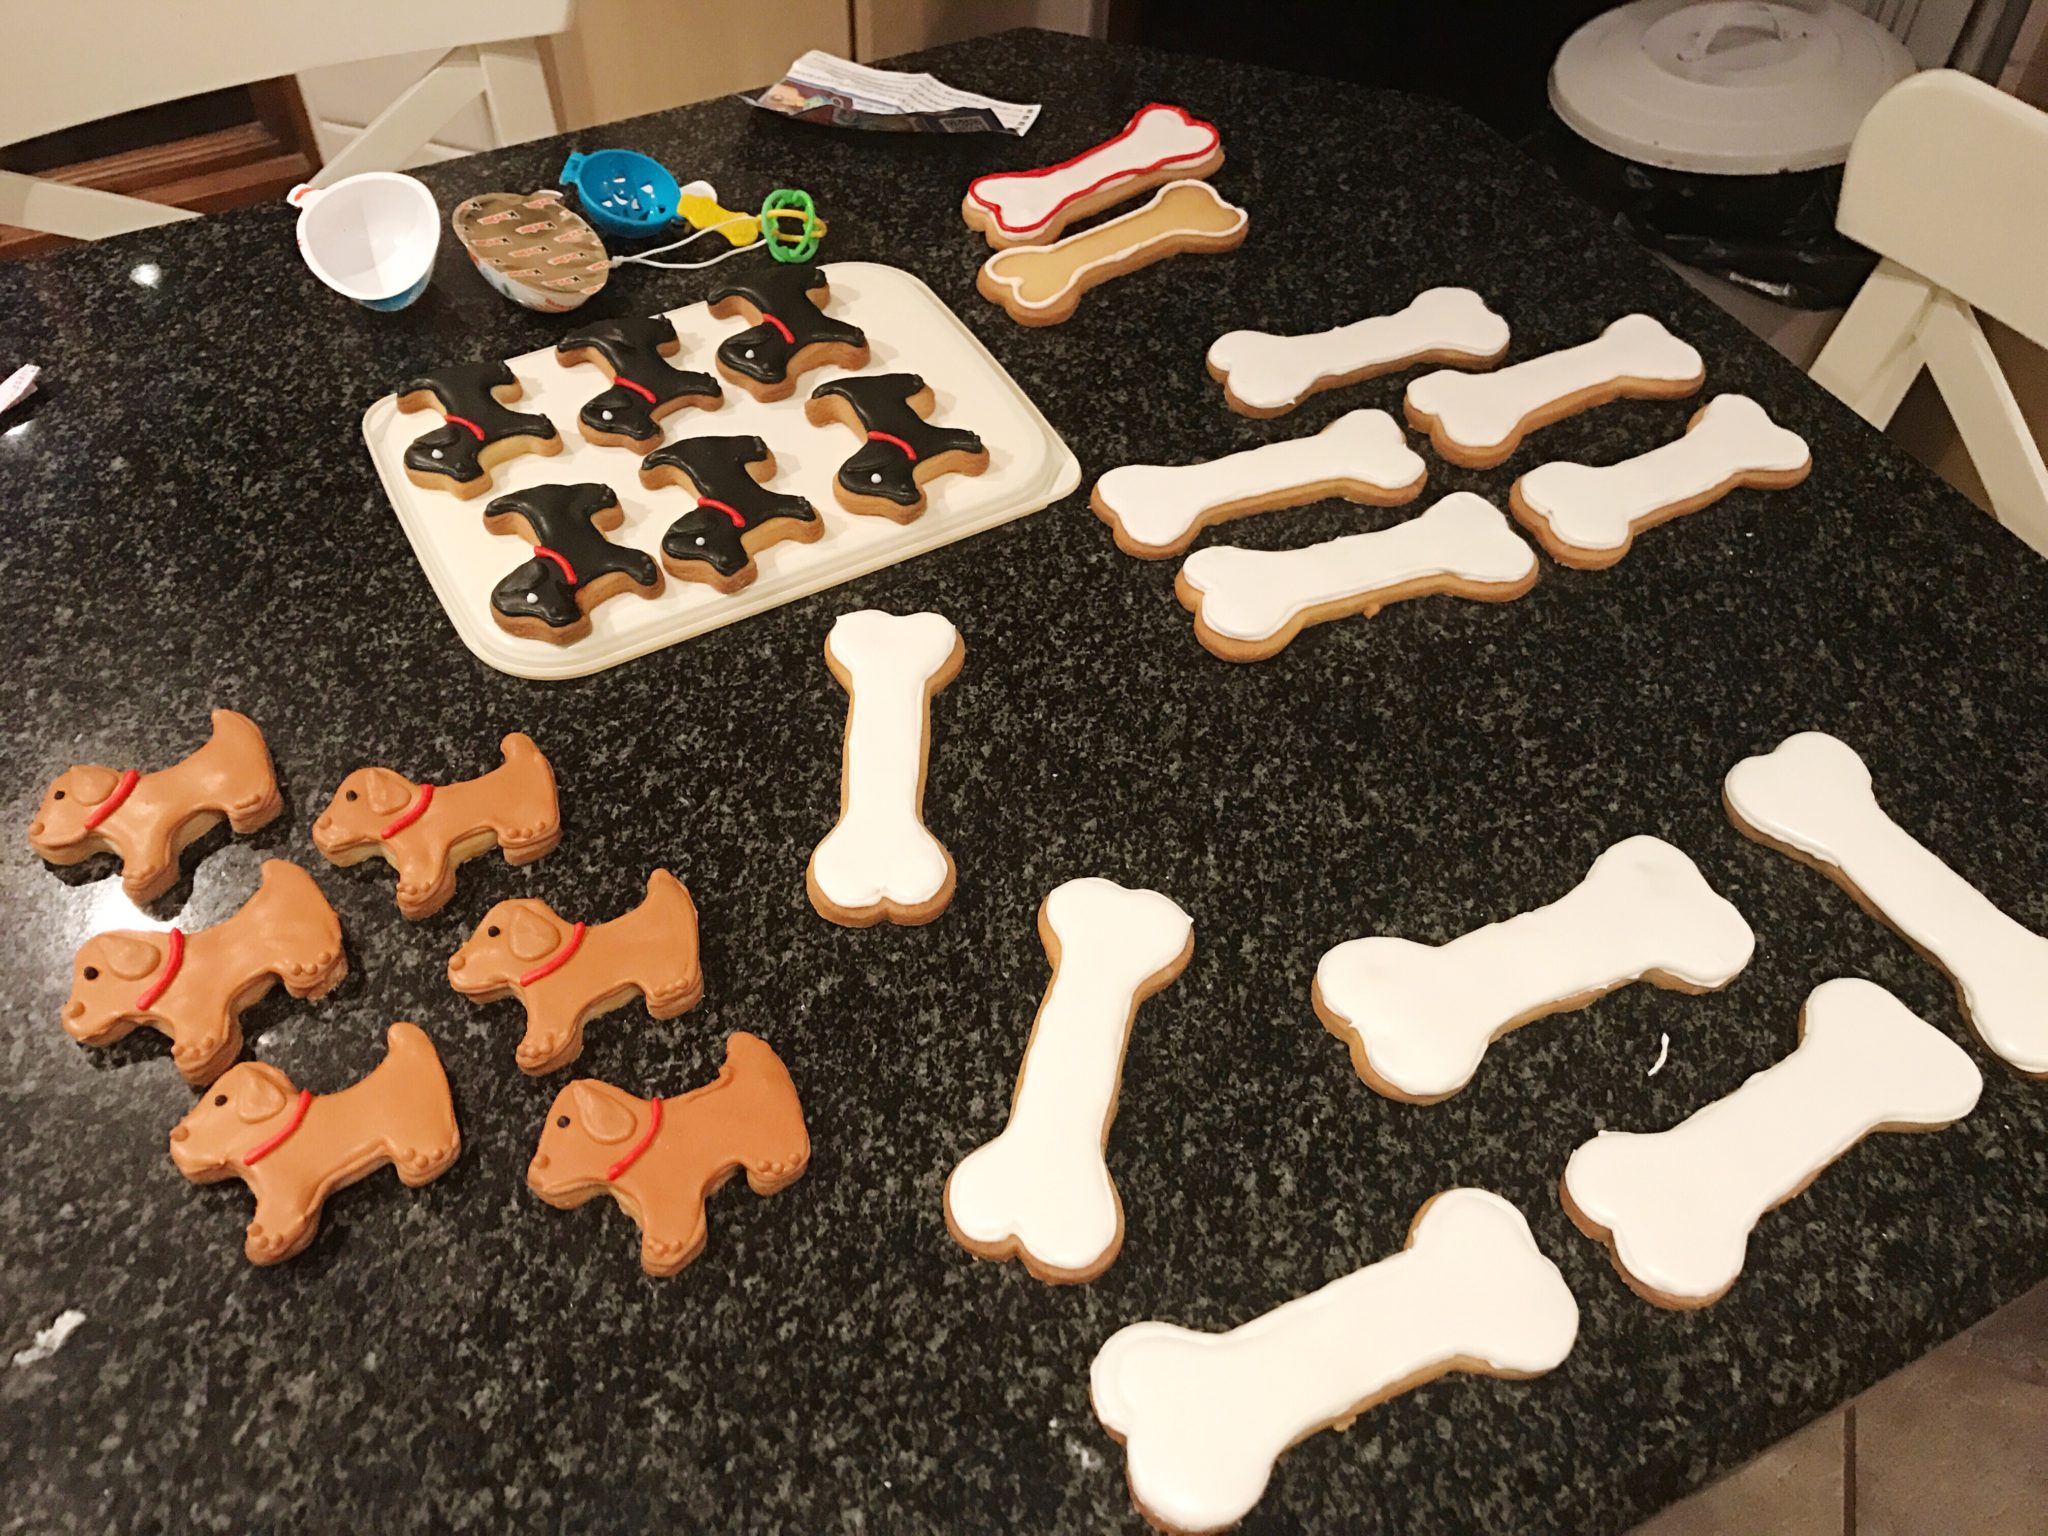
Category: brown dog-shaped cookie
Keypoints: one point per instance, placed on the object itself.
(294, 1148)
(193, 987)
(568, 973)
(662, 1161)
(425, 830)
(147, 820)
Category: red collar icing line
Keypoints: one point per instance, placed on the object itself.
(639, 389)
(174, 956)
(788, 335)
(410, 814)
(556, 961)
(611, 1174)
(568, 570)
(122, 790)
(909, 452)
(709, 501)
(263, 1149)
(464, 421)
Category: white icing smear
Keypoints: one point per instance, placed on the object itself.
(1254, 594)
(1043, 1181)
(881, 850)
(1206, 1415)
(51, 1339)
(1040, 277)
(1270, 372)
(1813, 793)
(1424, 1015)
(1159, 505)
(1157, 138)
(1594, 508)
(1681, 1203)
(1484, 410)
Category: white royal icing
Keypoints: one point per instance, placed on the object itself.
(1270, 373)
(881, 850)
(1424, 1014)
(1680, 1204)
(1044, 1181)
(1160, 505)
(1596, 507)
(1157, 137)
(1814, 794)
(1040, 277)
(1484, 410)
(1205, 1415)
(1254, 594)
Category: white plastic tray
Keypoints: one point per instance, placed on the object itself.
(909, 330)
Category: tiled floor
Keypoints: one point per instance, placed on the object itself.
(1955, 1443)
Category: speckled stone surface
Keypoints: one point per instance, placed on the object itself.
(192, 521)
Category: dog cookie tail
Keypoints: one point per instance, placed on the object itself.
(300, 926)
(411, 1091)
(536, 825)
(235, 764)
(764, 1113)
(676, 982)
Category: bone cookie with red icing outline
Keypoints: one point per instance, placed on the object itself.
(1264, 375)
(481, 431)
(1479, 419)
(574, 566)
(880, 862)
(1159, 144)
(645, 386)
(1419, 1017)
(1250, 603)
(193, 988)
(294, 1148)
(1589, 517)
(788, 332)
(566, 974)
(1156, 510)
(736, 516)
(147, 820)
(425, 831)
(1203, 1417)
(663, 1159)
(900, 448)
(1676, 1207)
(1041, 1191)
(1044, 284)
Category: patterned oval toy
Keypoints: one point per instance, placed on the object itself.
(533, 248)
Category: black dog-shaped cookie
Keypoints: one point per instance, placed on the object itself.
(645, 387)
(886, 475)
(479, 434)
(736, 516)
(788, 333)
(574, 566)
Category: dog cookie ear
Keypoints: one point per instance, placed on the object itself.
(92, 783)
(263, 1092)
(532, 935)
(599, 1107)
(387, 792)
(127, 955)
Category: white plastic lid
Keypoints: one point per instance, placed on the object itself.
(1728, 87)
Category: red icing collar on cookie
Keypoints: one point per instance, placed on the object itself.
(909, 452)
(568, 570)
(708, 501)
(122, 790)
(174, 956)
(464, 421)
(555, 962)
(639, 389)
(632, 1156)
(410, 814)
(788, 335)
(263, 1149)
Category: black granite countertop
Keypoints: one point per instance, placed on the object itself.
(192, 521)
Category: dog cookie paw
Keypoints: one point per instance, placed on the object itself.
(1041, 1190)
(900, 449)
(736, 516)
(1159, 144)
(144, 819)
(788, 332)
(661, 1159)
(574, 566)
(480, 432)
(645, 386)
(566, 974)
(1203, 1417)
(293, 1147)
(424, 831)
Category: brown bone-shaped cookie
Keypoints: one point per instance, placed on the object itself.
(568, 973)
(661, 1162)
(425, 830)
(294, 1148)
(193, 987)
(147, 819)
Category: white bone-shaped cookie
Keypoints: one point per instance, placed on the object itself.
(1419, 1017)
(1676, 1207)
(1249, 603)
(1479, 419)
(1812, 798)
(1204, 1416)
(1041, 1190)
(881, 861)
(1267, 375)
(1588, 515)
(1157, 509)
(1160, 143)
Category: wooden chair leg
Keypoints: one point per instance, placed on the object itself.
(410, 121)
(80, 213)
(516, 91)
(1873, 358)
(1987, 417)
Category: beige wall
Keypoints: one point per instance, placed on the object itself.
(886, 27)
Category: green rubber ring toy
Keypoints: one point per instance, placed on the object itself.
(804, 244)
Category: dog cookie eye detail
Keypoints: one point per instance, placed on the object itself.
(58, 796)
(562, 1122)
(92, 973)
(350, 795)
(220, 1098)
(492, 931)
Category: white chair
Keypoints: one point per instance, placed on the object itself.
(1948, 182)
(81, 60)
